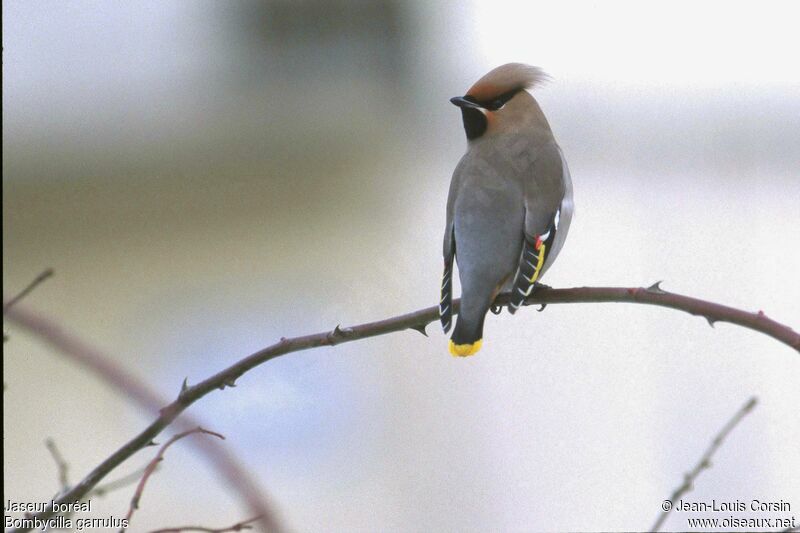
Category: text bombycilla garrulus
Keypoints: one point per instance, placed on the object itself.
(510, 201)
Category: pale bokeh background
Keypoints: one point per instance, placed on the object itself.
(208, 177)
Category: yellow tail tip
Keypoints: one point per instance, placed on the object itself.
(464, 350)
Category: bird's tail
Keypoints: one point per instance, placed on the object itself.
(467, 336)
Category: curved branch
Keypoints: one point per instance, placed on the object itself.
(417, 320)
(108, 371)
(152, 465)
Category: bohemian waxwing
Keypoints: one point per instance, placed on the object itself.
(510, 201)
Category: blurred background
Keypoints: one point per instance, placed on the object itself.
(206, 177)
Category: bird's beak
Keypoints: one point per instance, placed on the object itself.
(460, 101)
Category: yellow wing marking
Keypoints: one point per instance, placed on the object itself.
(539, 264)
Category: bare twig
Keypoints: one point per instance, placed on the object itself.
(239, 526)
(106, 369)
(151, 467)
(61, 464)
(417, 320)
(124, 481)
(24, 292)
(99, 490)
(704, 463)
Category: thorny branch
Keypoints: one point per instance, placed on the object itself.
(239, 526)
(99, 490)
(417, 320)
(705, 461)
(107, 370)
(152, 465)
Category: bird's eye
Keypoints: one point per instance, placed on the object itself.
(501, 100)
(494, 105)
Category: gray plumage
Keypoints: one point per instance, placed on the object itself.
(511, 187)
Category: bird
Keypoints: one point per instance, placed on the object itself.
(509, 205)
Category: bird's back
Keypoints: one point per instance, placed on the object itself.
(486, 200)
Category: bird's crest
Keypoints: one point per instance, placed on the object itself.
(507, 78)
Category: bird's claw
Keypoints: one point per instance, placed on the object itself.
(538, 286)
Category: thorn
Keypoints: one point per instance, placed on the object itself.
(152, 443)
(420, 328)
(655, 288)
(761, 313)
(339, 333)
(541, 308)
(710, 321)
(185, 385)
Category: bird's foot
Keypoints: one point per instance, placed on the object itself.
(537, 286)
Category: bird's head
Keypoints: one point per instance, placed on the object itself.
(499, 100)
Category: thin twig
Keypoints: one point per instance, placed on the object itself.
(417, 320)
(124, 481)
(61, 464)
(99, 490)
(704, 463)
(24, 292)
(151, 467)
(109, 371)
(239, 526)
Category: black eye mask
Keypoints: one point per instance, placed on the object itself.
(500, 101)
(474, 120)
